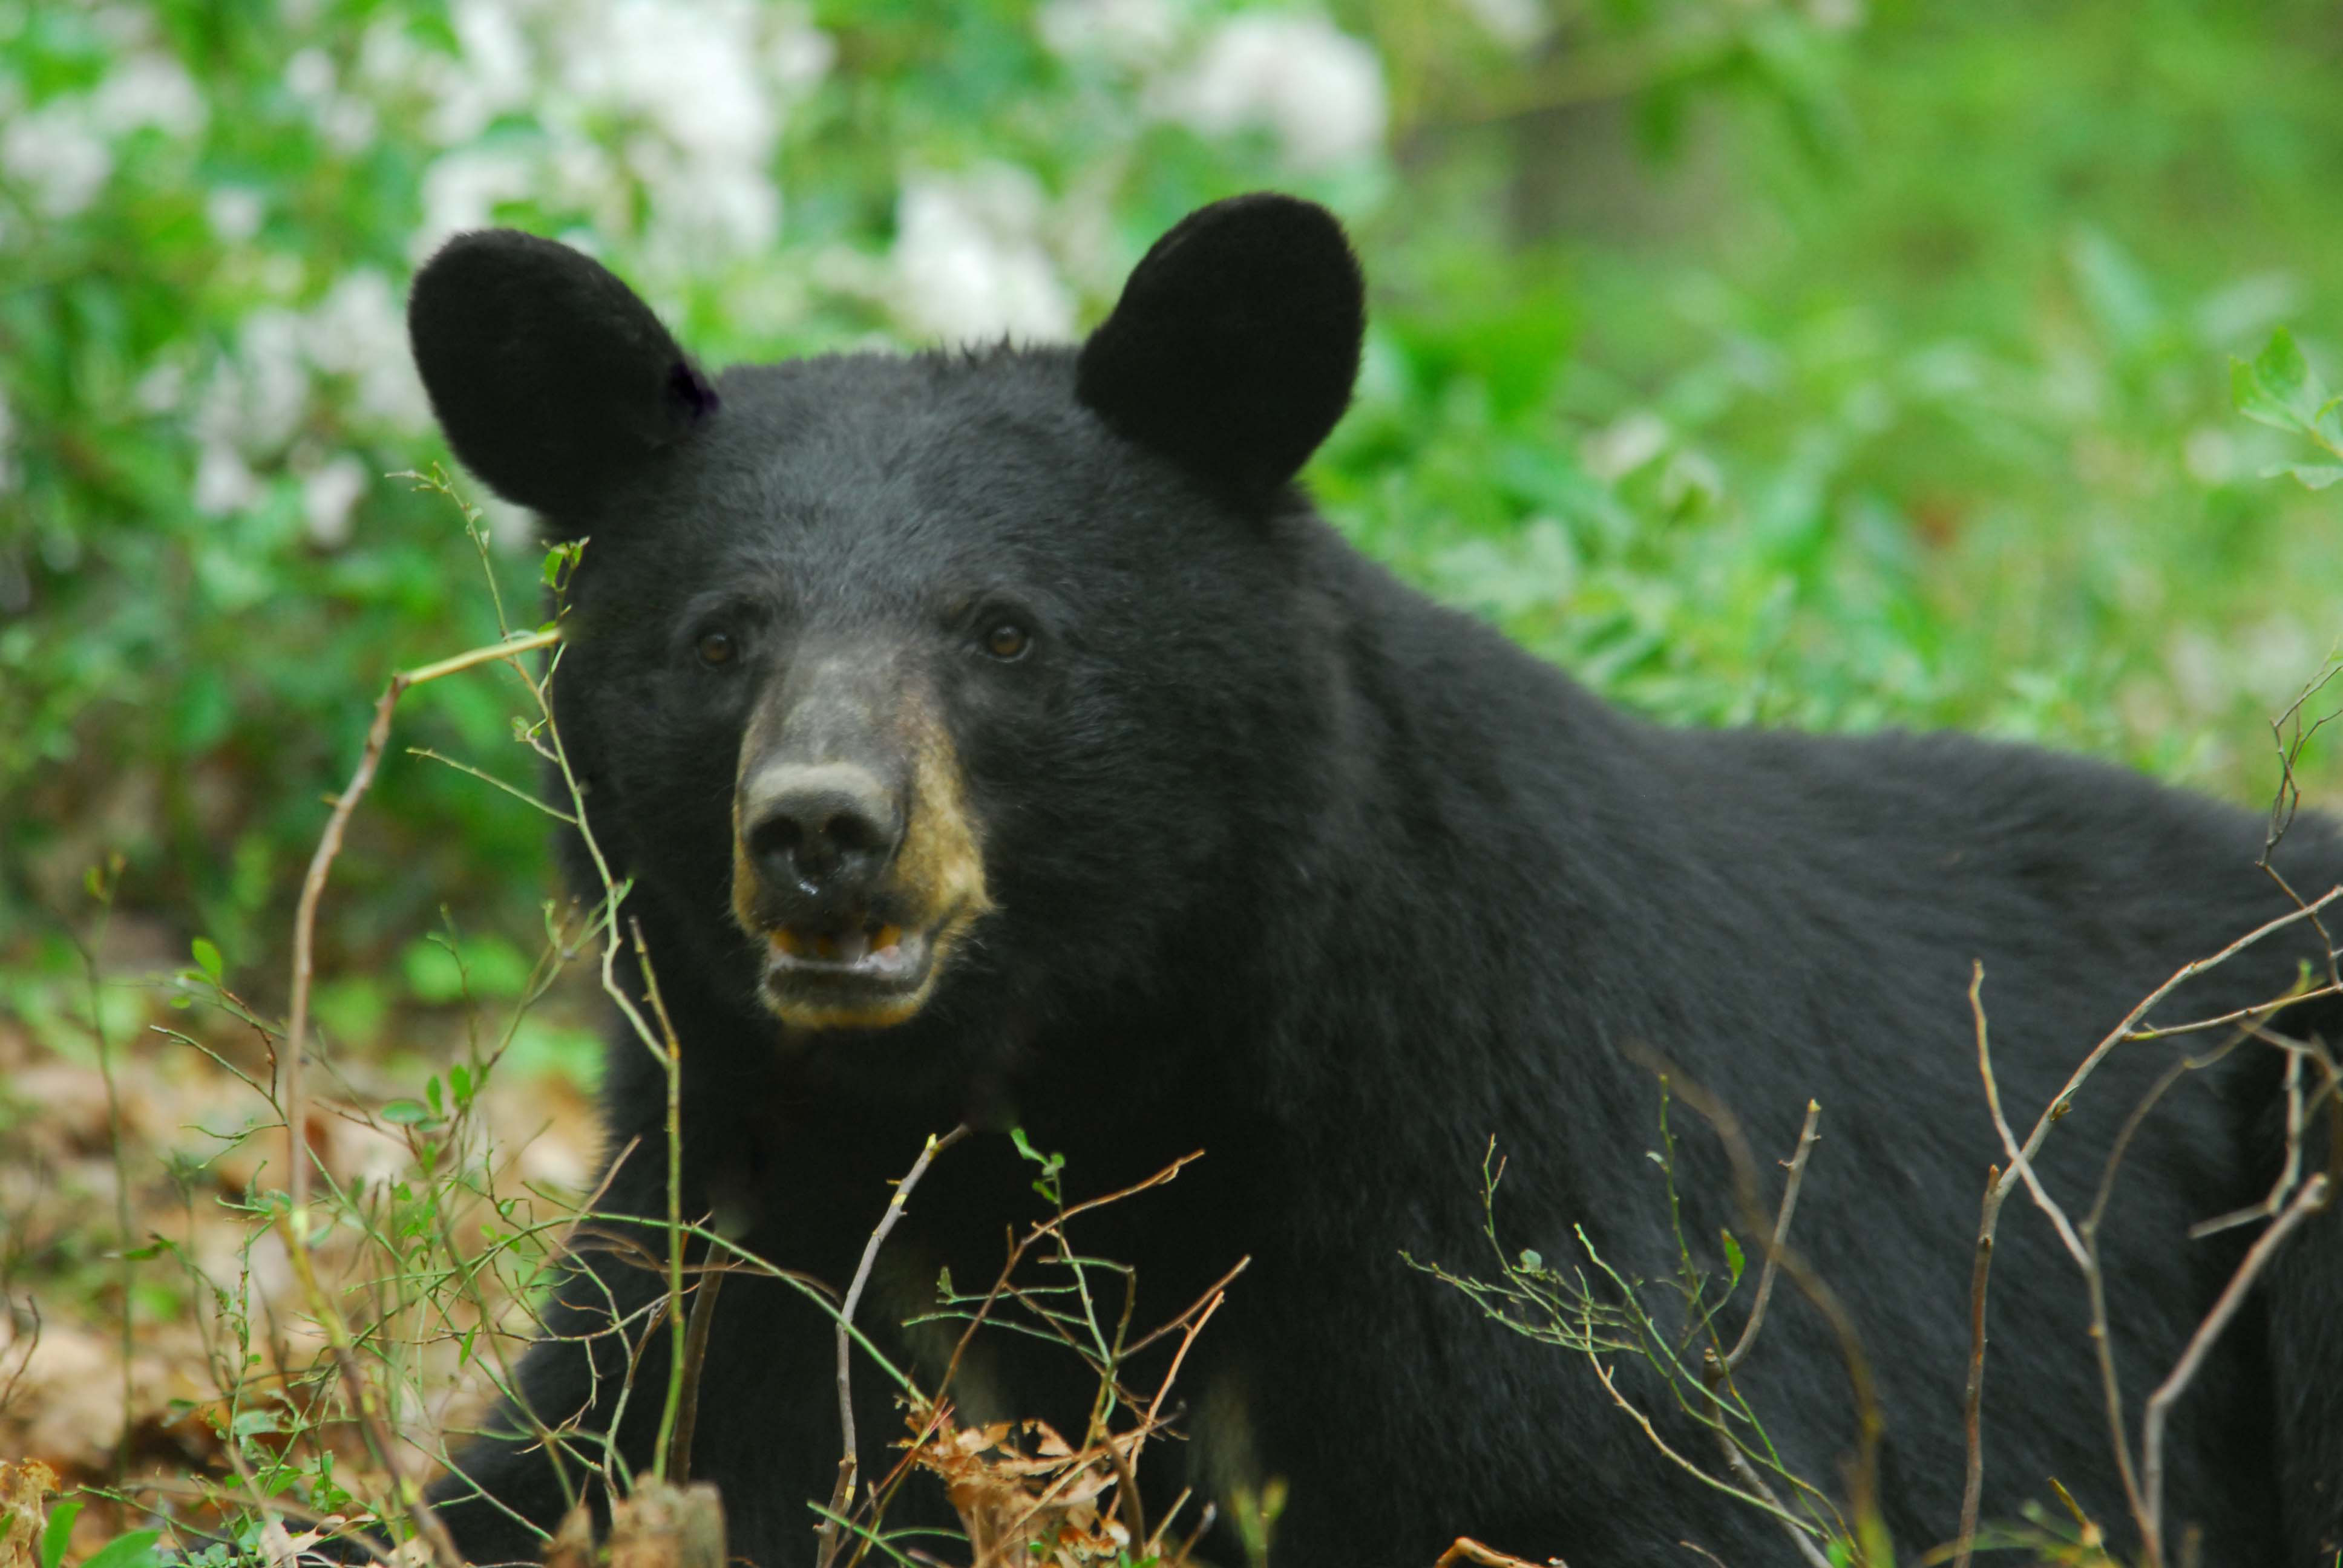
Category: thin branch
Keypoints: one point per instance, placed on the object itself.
(2121, 1032)
(1863, 1470)
(1807, 1142)
(843, 1495)
(2019, 1164)
(694, 1359)
(364, 1398)
(2312, 1198)
(1973, 1397)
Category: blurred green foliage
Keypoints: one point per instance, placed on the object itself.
(1771, 361)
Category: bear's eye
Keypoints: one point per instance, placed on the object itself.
(716, 648)
(1008, 641)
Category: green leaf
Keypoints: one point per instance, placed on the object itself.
(1532, 1261)
(2326, 426)
(133, 1550)
(207, 958)
(2281, 367)
(55, 1539)
(405, 1113)
(2279, 388)
(1734, 1261)
(2310, 475)
(252, 1422)
(2255, 401)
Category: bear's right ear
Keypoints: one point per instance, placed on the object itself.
(550, 377)
(1234, 344)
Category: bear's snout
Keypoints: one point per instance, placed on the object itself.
(820, 835)
(856, 869)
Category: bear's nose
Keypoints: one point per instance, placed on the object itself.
(823, 831)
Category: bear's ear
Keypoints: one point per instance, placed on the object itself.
(549, 376)
(1234, 344)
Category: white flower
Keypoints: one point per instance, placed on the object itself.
(1132, 33)
(968, 263)
(717, 121)
(1319, 89)
(309, 75)
(235, 213)
(273, 374)
(148, 88)
(687, 74)
(800, 53)
(55, 150)
(160, 390)
(360, 331)
(723, 203)
(223, 483)
(1626, 445)
(696, 87)
(329, 492)
(495, 71)
(1515, 24)
(461, 190)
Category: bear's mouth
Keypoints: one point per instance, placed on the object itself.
(860, 974)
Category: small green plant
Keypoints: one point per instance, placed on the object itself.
(2278, 387)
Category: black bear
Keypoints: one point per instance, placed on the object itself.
(1001, 735)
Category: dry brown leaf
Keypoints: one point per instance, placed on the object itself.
(24, 1510)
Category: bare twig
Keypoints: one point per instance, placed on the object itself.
(694, 1359)
(1863, 1469)
(2116, 1036)
(1807, 1142)
(2307, 1203)
(2020, 1165)
(843, 1495)
(670, 1051)
(1467, 1550)
(1973, 1397)
(1716, 1370)
(364, 1398)
(1747, 1474)
(2297, 1122)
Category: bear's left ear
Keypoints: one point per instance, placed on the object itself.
(550, 376)
(1235, 343)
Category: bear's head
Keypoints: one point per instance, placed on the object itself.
(928, 700)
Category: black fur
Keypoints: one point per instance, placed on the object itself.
(1235, 343)
(547, 374)
(1295, 866)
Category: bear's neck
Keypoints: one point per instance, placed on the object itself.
(1469, 800)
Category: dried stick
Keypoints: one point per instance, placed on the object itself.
(1467, 1550)
(694, 1357)
(2122, 1032)
(1807, 1142)
(1973, 1397)
(841, 1496)
(2020, 1165)
(1716, 1370)
(2312, 1198)
(363, 1396)
(1863, 1471)
(670, 1053)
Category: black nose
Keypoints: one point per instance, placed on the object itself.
(823, 832)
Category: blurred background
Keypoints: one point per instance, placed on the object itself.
(1835, 363)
